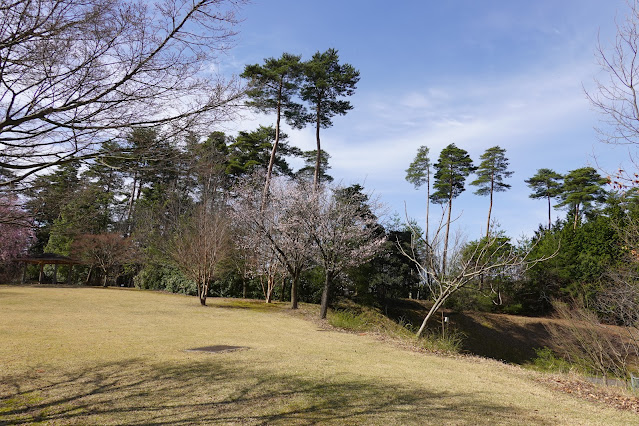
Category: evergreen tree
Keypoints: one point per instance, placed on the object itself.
(452, 168)
(308, 171)
(418, 173)
(47, 196)
(490, 176)
(546, 183)
(581, 188)
(253, 149)
(272, 87)
(325, 82)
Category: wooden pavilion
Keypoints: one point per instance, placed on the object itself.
(47, 259)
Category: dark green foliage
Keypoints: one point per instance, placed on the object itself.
(47, 197)
(546, 183)
(166, 278)
(470, 299)
(452, 168)
(252, 150)
(273, 86)
(325, 82)
(581, 191)
(492, 171)
(308, 170)
(579, 268)
(395, 276)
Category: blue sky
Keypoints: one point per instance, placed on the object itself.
(473, 73)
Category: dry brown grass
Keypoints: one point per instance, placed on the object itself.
(110, 356)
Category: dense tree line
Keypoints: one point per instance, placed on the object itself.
(129, 218)
(101, 163)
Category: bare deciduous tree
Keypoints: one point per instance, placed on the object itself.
(587, 342)
(74, 75)
(199, 245)
(466, 263)
(615, 95)
(104, 252)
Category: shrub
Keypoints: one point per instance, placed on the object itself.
(546, 360)
(450, 341)
(162, 277)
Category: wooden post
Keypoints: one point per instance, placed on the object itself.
(55, 273)
(40, 278)
(24, 273)
(70, 273)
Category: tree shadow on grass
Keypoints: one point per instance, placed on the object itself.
(212, 391)
(497, 338)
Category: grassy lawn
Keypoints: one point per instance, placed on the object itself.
(111, 356)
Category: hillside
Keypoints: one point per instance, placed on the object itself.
(503, 337)
(100, 356)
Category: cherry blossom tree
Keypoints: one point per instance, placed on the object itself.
(15, 230)
(343, 227)
(275, 231)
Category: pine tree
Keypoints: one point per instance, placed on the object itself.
(452, 169)
(490, 176)
(546, 183)
(581, 188)
(325, 82)
(272, 87)
(418, 173)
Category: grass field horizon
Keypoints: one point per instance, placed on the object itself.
(114, 356)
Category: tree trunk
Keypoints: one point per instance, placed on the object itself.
(318, 159)
(427, 232)
(324, 303)
(490, 206)
(244, 287)
(89, 275)
(130, 209)
(438, 303)
(202, 294)
(549, 220)
(450, 208)
(271, 161)
(294, 286)
(427, 204)
(574, 226)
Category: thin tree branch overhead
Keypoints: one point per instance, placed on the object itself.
(75, 74)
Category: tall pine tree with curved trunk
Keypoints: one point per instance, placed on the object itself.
(325, 82)
(272, 87)
(546, 183)
(581, 188)
(491, 173)
(452, 169)
(418, 173)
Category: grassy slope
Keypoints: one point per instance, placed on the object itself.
(89, 355)
(510, 338)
